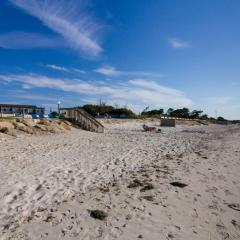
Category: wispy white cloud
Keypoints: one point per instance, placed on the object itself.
(111, 71)
(178, 43)
(58, 68)
(135, 93)
(64, 69)
(79, 70)
(67, 18)
(108, 71)
(24, 40)
(142, 83)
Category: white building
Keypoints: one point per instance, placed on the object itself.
(17, 109)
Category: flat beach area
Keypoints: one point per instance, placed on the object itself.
(181, 183)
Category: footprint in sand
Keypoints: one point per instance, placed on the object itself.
(221, 229)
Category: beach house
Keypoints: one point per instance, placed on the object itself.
(17, 109)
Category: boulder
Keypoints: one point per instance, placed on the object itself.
(41, 127)
(22, 127)
(64, 126)
(6, 125)
(28, 122)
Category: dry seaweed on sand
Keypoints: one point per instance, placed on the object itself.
(178, 184)
(234, 206)
(136, 183)
(149, 198)
(98, 214)
(146, 187)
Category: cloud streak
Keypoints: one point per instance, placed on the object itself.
(136, 93)
(58, 68)
(111, 71)
(68, 19)
(64, 69)
(177, 43)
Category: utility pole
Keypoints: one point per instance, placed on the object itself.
(59, 107)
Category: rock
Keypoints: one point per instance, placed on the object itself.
(42, 127)
(22, 127)
(46, 122)
(6, 125)
(64, 126)
(18, 125)
(68, 123)
(28, 122)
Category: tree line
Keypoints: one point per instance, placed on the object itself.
(181, 113)
(104, 110)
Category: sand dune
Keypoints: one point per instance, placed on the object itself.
(50, 184)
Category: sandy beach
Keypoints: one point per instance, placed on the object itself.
(182, 183)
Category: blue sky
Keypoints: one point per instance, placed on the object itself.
(137, 53)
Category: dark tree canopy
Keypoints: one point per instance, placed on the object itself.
(221, 119)
(196, 114)
(152, 112)
(102, 110)
(94, 110)
(180, 113)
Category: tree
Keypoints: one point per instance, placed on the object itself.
(196, 113)
(121, 112)
(204, 116)
(94, 110)
(152, 112)
(103, 109)
(221, 119)
(169, 111)
(181, 113)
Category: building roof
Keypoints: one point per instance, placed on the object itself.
(19, 106)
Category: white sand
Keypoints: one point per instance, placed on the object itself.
(48, 184)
